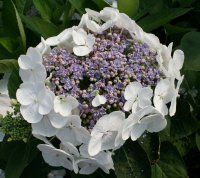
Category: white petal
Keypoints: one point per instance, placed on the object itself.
(178, 58)
(156, 122)
(82, 135)
(52, 41)
(74, 121)
(135, 107)
(79, 38)
(5, 105)
(116, 118)
(65, 105)
(38, 73)
(108, 140)
(90, 40)
(92, 13)
(25, 62)
(4, 84)
(93, 26)
(137, 131)
(42, 47)
(67, 135)
(94, 146)
(87, 167)
(132, 90)
(30, 113)
(145, 97)
(42, 138)
(44, 128)
(98, 100)
(81, 50)
(126, 131)
(55, 157)
(69, 148)
(35, 55)
(46, 102)
(128, 104)
(160, 105)
(25, 95)
(57, 120)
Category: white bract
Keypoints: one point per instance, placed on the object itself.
(83, 42)
(5, 101)
(104, 132)
(98, 100)
(162, 95)
(35, 101)
(73, 132)
(31, 67)
(172, 109)
(89, 164)
(65, 105)
(175, 64)
(57, 157)
(146, 119)
(137, 96)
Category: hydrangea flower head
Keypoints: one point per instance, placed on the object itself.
(95, 85)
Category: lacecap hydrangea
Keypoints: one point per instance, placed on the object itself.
(95, 85)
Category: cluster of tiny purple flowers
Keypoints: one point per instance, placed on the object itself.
(116, 60)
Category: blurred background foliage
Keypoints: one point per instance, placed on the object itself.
(172, 153)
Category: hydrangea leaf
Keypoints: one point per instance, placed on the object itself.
(190, 44)
(7, 65)
(131, 161)
(198, 140)
(80, 5)
(21, 27)
(130, 7)
(101, 3)
(40, 26)
(44, 9)
(8, 43)
(18, 156)
(150, 142)
(170, 164)
(182, 124)
(151, 22)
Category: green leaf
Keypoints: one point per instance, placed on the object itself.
(183, 145)
(68, 13)
(44, 9)
(131, 161)
(13, 83)
(190, 44)
(157, 172)
(183, 123)
(20, 156)
(40, 26)
(101, 3)
(198, 139)
(170, 164)
(21, 27)
(8, 65)
(9, 19)
(156, 20)
(173, 29)
(130, 7)
(20, 5)
(8, 43)
(150, 142)
(81, 5)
